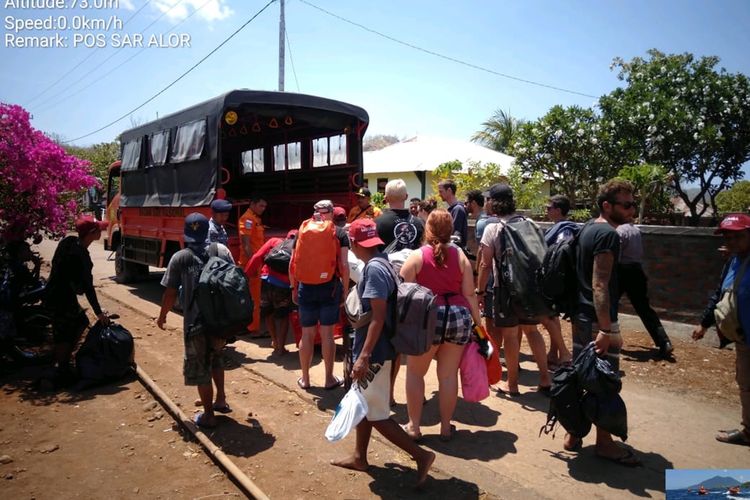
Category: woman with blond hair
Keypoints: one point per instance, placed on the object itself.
(444, 269)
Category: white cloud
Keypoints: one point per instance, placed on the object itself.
(208, 10)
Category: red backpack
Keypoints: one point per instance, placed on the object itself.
(316, 252)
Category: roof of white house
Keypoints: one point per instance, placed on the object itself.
(423, 153)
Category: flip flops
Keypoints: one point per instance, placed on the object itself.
(734, 436)
(225, 408)
(627, 460)
(302, 385)
(338, 383)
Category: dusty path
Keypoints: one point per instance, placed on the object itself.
(275, 433)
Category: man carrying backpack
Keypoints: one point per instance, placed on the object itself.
(203, 359)
(373, 353)
(595, 321)
(507, 315)
(319, 277)
(275, 292)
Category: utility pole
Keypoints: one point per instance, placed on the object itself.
(282, 50)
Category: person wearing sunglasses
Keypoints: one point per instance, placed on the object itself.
(596, 319)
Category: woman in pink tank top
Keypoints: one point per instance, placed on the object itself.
(445, 270)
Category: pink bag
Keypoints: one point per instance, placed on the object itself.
(474, 384)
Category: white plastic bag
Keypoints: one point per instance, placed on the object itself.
(351, 410)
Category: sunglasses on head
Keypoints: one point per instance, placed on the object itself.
(324, 211)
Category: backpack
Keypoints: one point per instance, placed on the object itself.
(106, 355)
(223, 297)
(279, 257)
(318, 244)
(557, 278)
(523, 251)
(726, 312)
(565, 406)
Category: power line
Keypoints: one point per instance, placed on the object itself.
(291, 59)
(183, 75)
(123, 63)
(81, 62)
(113, 54)
(448, 58)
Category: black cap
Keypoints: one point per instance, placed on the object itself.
(364, 192)
(221, 206)
(499, 192)
(196, 228)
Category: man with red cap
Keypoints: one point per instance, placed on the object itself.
(71, 275)
(729, 309)
(373, 353)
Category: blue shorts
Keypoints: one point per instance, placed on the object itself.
(319, 303)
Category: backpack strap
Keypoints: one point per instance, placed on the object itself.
(393, 298)
(213, 249)
(740, 274)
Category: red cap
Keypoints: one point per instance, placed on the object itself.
(734, 222)
(339, 212)
(86, 225)
(364, 233)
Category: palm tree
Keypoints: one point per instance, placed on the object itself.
(498, 131)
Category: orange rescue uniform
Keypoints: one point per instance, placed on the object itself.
(251, 226)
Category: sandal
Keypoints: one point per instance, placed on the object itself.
(416, 437)
(446, 438)
(627, 460)
(225, 408)
(734, 436)
(302, 385)
(338, 383)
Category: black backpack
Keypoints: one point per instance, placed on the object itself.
(107, 354)
(523, 251)
(280, 255)
(565, 404)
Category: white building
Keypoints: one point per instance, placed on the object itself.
(414, 160)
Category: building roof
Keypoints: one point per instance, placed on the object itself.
(424, 153)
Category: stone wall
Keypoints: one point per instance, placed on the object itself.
(683, 267)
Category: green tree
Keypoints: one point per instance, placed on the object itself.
(478, 176)
(447, 170)
(649, 181)
(101, 156)
(680, 112)
(735, 199)
(571, 147)
(527, 189)
(499, 132)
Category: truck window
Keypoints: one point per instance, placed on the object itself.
(158, 146)
(189, 141)
(131, 154)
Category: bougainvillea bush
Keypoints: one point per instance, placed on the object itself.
(39, 182)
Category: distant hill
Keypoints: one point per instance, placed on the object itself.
(717, 482)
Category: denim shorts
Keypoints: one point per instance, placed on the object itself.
(319, 303)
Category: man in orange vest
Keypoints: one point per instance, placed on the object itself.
(363, 209)
(251, 239)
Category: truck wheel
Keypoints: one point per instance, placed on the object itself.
(128, 272)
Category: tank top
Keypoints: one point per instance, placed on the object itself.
(442, 280)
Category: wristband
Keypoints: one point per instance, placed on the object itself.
(608, 333)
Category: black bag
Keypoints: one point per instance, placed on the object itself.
(607, 411)
(280, 255)
(565, 404)
(523, 251)
(595, 374)
(107, 354)
(557, 278)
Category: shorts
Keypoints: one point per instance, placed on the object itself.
(319, 303)
(505, 315)
(583, 335)
(68, 326)
(274, 299)
(458, 330)
(203, 353)
(376, 389)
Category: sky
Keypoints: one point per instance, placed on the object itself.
(74, 91)
(677, 479)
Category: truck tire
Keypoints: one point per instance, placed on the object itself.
(126, 271)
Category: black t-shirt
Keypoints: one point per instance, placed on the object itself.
(460, 222)
(343, 237)
(70, 276)
(594, 239)
(399, 224)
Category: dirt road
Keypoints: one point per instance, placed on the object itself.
(110, 442)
